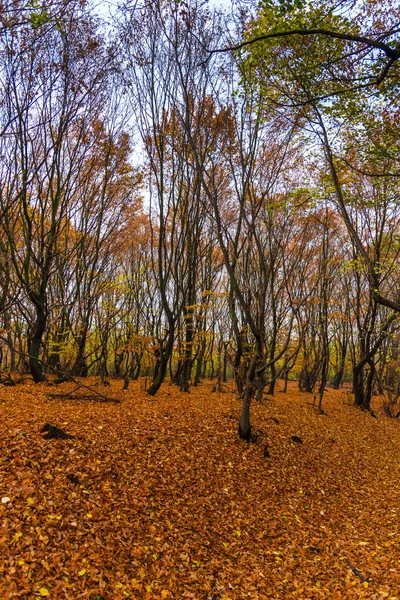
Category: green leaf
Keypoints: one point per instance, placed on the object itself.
(38, 19)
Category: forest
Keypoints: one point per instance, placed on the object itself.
(199, 202)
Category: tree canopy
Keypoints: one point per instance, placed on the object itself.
(191, 193)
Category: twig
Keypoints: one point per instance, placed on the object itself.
(356, 571)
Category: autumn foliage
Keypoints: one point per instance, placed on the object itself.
(199, 259)
(161, 500)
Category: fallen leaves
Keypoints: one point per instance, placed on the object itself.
(142, 506)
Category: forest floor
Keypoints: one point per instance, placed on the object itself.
(160, 499)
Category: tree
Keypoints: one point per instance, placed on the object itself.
(53, 78)
(299, 56)
(338, 45)
(21, 14)
(154, 36)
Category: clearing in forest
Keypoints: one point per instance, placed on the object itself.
(160, 499)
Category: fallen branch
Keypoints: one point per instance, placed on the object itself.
(356, 571)
(96, 396)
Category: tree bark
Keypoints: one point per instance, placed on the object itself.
(244, 421)
(35, 342)
(165, 355)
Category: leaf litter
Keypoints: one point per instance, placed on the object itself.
(159, 499)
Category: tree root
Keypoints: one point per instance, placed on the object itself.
(7, 381)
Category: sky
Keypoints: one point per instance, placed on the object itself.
(106, 7)
(222, 3)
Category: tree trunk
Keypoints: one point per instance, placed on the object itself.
(324, 378)
(225, 365)
(308, 379)
(338, 377)
(236, 368)
(199, 363)
(244, 421)
(7, 326)
(286, 379)
(35, 342)
(271, 388)
(165, 355)
(156, 366)
(219, 365)
(80, 368)
(138, 367)
(369, 385)
(187, 362)
(358, 385)
(118, 360)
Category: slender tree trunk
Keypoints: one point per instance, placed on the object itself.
(338, 377)
(157, 366)
(219, 365)
(271, 388)
(225, 365)
(118, 360)
(358, 385)
(199, 363)
(135, 368)
(236, 367)
(211, 373)
(286, 379)
(244, 421)
(369, 385)
(7, 326)
(324, 378)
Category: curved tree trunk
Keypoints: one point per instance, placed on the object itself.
(165, 355)
(337, 379)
